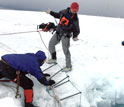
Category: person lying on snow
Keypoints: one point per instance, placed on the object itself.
(25, 63)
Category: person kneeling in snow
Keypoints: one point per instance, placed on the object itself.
(25, 63)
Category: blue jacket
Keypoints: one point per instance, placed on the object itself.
(28, 63)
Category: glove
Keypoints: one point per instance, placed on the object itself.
(51, 82)
(47, 75)
(48, 11)
(43, 81)
(75, 39)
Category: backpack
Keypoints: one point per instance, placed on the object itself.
(47, 27)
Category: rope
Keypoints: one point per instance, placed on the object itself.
(56, 98)
(8, 48)
(9, 86)
(42, 40)
(5, 80)
(44, 44)
(53, 90)
(79, 92)
(17, 33)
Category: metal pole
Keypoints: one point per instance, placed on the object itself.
(56, 73)
(60, 81)
(70, 96)
(61, 84)
(49, 67)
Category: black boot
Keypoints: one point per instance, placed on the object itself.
(29, 105)
(54, 55)
(53, 59)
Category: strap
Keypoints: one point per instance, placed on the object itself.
(45, 29)
(65, 21)
(18, 83)
(4, 61)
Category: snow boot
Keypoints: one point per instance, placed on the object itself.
(53, 60)
(29, 105)
(66, 69)
(28, 93)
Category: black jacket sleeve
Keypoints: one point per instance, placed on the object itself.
(43, 80)
(57, 15)
(76, 29)
(54, 14)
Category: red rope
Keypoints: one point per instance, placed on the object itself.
(5, 80)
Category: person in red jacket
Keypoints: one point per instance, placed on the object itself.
(28, 63)
(68, 26)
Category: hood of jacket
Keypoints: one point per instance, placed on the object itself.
(40, 56)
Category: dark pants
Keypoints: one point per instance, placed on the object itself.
(26, 83)
(10, 73)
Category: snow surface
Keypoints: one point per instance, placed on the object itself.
(97, 59)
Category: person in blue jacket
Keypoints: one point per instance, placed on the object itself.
(122, 43)
(25, 63)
